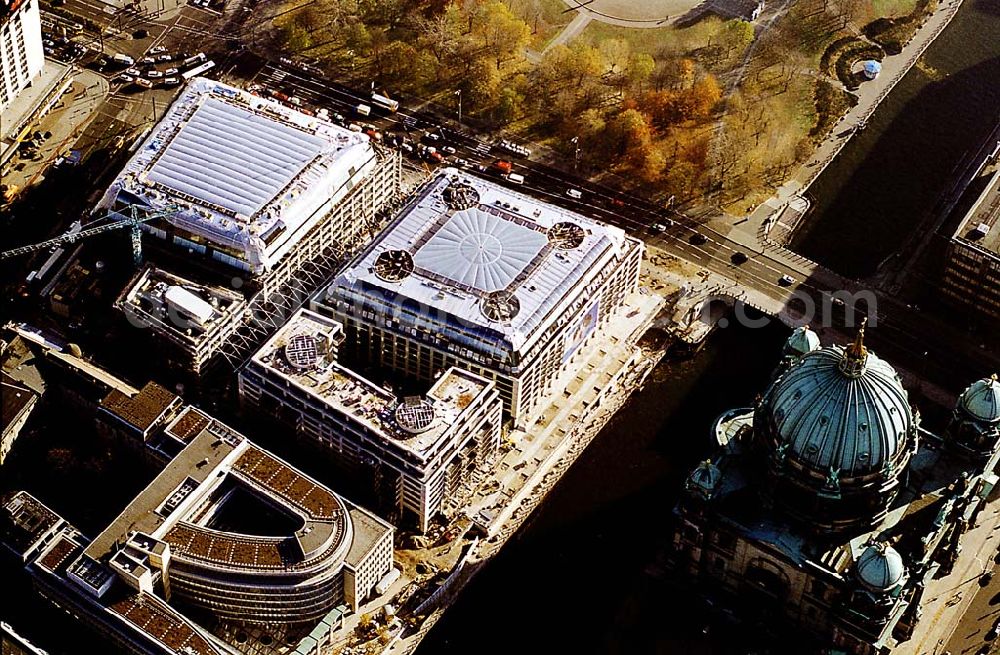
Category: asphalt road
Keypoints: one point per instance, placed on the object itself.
(904, 334)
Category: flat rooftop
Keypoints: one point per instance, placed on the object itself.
(246, 171)
(25, 521)
(484, 254)
(204, 461)
(148, 303)
(413, 425)
(985, 213)
(197, 462)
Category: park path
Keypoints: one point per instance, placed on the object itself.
(786, 208)
(570, 31)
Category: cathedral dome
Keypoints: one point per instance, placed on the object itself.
(802, 341)
(880, 568)
(704, 480)
(836, 430)
(842, 409)
(982, 400)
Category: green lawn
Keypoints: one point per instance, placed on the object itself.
(892, 8)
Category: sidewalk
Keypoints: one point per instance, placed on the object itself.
(948, 598)
(756, 232)
(83, 94)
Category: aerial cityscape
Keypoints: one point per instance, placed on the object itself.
(381, 327)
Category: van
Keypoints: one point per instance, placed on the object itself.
(364, 110)
(515, 178)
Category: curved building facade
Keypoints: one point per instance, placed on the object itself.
(290, 578)
(231, 529)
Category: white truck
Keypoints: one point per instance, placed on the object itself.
(364, 109)
(123, 60)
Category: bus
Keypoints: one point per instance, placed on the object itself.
(194, 72)
(196, 59)
(384, 102)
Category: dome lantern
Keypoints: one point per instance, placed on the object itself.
(856, 355)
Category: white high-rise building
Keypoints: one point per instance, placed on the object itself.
(21, 53)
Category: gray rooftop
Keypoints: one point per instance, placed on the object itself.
(140, 514)
(465, 238)
(984, 213)
(234, 158)
(365, 402)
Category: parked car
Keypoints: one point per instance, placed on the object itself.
(157, 50)
(153, 74)
(515, 148)
(171, 81)
(171, 71)
(124, 78)
(148, 61)
(134, 72)
(164, 57)
(146, 84)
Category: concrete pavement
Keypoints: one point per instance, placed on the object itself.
(66, 121)
(950, 597)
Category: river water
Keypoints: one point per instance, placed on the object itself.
(578, 578)
(889, 177)
(581, 575)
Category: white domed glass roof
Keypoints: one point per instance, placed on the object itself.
(480, 250)
(839, 409)
(982, 399)
(880, 568)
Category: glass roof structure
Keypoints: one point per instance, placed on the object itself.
(480, 250)
(229, 156)
(493, 268)
(251, 177)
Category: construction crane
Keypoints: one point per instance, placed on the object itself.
(136, 216)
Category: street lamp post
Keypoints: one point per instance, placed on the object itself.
(458, 92)
(576, 154)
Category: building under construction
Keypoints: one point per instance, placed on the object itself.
(269, 198)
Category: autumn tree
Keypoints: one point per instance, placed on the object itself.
(480, 87)
(737, 36)
(640, 67)
(440, 34)
(509, 106)
(704, 95)
(503, 34)
(397, 63)
(681, 179)
(630, 132)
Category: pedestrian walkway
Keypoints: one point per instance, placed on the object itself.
(757, 231)
(948, 598)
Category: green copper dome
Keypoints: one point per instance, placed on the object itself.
(982, 400)
(802, 341)
(841, 412)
